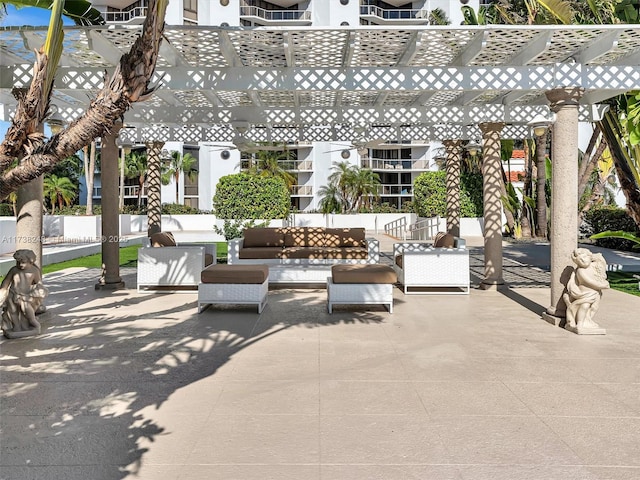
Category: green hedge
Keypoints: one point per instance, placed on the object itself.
(244, 197)
(6, 210)
(602, 219)
(430, 195)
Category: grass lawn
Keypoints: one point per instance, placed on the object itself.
(624, 282)
(128, 258)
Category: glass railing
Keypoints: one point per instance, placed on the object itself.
(301, 190)
(275, 15)
(129, 191)
(394, 164)
(395, 189)
(396, 14)
(124, 17)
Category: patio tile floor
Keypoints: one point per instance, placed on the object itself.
(124, 385)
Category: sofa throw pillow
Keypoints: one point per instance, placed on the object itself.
(162, 239)
(443, 240)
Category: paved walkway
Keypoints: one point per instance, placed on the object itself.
(122, 385)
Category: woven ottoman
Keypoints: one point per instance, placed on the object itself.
(361, 284)
(237, 284)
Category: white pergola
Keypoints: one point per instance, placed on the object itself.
(301, 84)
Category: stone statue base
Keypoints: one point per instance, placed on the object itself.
(21, 333)
(586, 331)
(554, 320)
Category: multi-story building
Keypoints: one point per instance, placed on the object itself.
(398, 161)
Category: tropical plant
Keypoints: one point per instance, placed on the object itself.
(128, 84)
(330, 199)
(59, 190)
(273, 163)
(179, 164)
(351, 187)
(80, 11)
(618, 234)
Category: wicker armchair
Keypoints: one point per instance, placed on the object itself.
(422, 268)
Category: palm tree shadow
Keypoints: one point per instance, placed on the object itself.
(83, 394)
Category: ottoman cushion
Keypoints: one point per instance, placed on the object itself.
(370, 273)
(221, 273)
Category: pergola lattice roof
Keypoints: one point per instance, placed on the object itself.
(311, 83)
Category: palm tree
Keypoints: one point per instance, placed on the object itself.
(128, 84)
(179, 164)
(59, 190)
(365, 187)
(270, 163)
(136, 167)
(80, 11)
(330, 200)
(342, 178)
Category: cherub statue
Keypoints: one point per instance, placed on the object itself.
(584, 288)
(21, 294)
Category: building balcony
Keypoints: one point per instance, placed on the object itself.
(394, 164)
(134, 16)
(397, 190)
(261, 16)
(299, 166)
(381, 16)
(301, 191)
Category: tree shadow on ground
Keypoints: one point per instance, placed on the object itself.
(76, 399)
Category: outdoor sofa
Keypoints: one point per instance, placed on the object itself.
(303, 254)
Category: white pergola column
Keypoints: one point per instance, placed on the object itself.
(109, 174)
(564, 194)
(154, 186)
(452, 148)
(492, 198)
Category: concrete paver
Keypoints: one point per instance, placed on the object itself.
(122, 385)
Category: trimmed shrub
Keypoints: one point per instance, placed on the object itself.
(430, 195)
(251, 197)
(602, 219)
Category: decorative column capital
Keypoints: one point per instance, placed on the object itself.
(452, 143)
(564, 97)
(490, 127)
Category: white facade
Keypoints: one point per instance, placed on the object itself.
(397, 167)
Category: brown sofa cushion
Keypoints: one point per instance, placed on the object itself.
(260, 252)
(208, 259)
(354, 253)
(370, 273)
(399, 260)
(222, 273)
(312, 253)
(345, 237)
(263, 237)
(445, 240)
(162, 239)
(304, 237)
